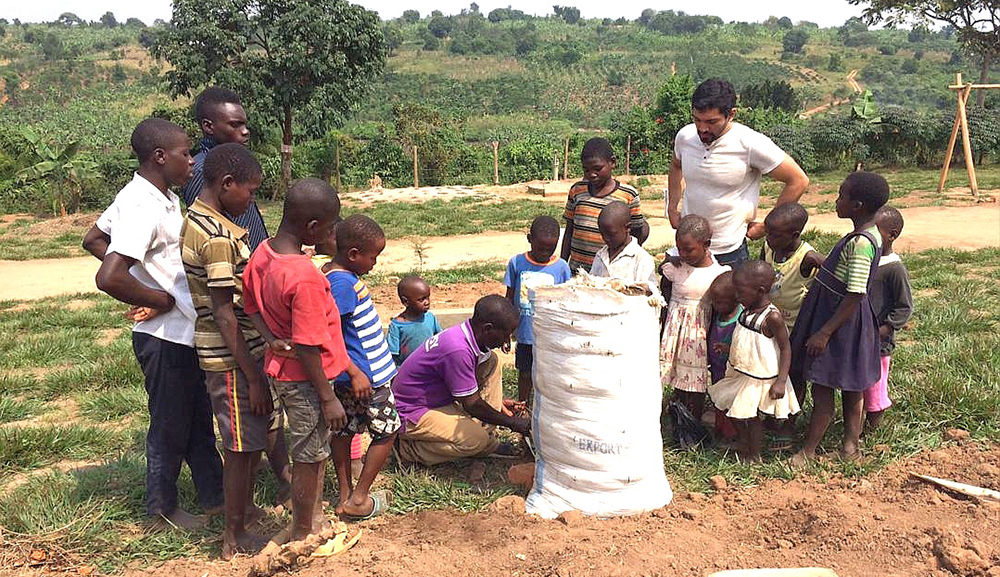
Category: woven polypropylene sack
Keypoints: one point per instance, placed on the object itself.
(596, 404)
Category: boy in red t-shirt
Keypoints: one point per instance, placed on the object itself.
(289, 302)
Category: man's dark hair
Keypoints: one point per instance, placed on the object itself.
(891, 217)
(695, 226)
(868, 188)
(792, 214)
(154, 133)
(497, 310)
(714, 93)
(233, 159)
(358, 231)
(210, 98)
(309, 199)
(544, 227)
(597, 148)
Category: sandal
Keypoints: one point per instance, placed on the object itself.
(380, 504)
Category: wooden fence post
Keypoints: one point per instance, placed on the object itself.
(566, 159)
(416, 174)
(628, 156)
(970, 167)
(496, 162)
(555, 166)
(336, 161)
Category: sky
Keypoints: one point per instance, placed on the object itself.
(825, 12)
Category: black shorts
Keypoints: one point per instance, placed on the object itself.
(524, 358)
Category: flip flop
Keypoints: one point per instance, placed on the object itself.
(781, 443)
(380, 504)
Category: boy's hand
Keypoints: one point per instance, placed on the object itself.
(720, 348)
(756, 230)
(361, 386)
(813, 261)
(521, 425)
(817, 343)
(260, 396)
(139, 314)
(334, 414)
(777, 389)
(514, 408)
(884, 331)
(505, 347)
(281, 348)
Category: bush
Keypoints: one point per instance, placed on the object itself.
(794, 40)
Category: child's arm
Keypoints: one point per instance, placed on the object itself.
(567, 241)
(361, 385)
(232, 336)
(902, 303)
(811, 263)
(847, 307)
(510, 295)
(279, 347)
(312, 364)
(96, 242)
(114, 279)
(392, 338)
(775, 325)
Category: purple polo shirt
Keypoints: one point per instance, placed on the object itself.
(440, 371)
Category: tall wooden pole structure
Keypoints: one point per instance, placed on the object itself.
(496, 162)
(962, 92)
(416, 173)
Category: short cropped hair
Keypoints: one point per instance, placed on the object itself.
(695, 226)
(757, 272)
(544, 227)
(310, 199)
(497, 310)
(407, 283)
(358, 231)
(154, 133)
(232, 159)
(891, 217)
(791, 213)
(597, 148)
(714, 93)
(868, 188)
(210, 98)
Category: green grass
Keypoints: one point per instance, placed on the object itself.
(64, 245)
(902, 181)
(946, 373)
(471, 272)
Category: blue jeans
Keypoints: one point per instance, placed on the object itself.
(735, 258)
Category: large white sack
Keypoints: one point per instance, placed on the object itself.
(597, 399)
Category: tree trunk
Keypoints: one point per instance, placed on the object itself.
(984, 77)
(286, 155)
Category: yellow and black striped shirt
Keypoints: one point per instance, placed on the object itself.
(582, 209)
(215, 252)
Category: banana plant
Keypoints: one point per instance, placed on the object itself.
(60, 166)
(866, 109)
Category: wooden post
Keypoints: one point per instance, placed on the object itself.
(566, 159)
(416, 173)
(336, 161)
(496, 162)
(954, 136)
(555, 166)
(628, 156)
(970, 168)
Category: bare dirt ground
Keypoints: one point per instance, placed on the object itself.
(887, 524)
(975, 226)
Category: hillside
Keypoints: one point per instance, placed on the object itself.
(529, 82)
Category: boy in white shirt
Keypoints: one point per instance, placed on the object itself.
(138, 241)
(621, 256)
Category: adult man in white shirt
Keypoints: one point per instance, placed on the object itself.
(717, 169)
(138, 241)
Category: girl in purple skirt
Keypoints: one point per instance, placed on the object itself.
(835, 342)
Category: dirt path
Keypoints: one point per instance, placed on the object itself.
(851, 83)
(887, 524)
(969, 227)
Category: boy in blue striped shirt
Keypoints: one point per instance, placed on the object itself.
(359, 242)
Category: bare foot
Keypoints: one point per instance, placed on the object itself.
(477, 474)
(247, 543)
(801, 459)
(850, 452)
(284, 495)
(749, 457)
(181, 519)
(320, 522)
(253, 514)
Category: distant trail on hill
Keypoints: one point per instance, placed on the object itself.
(851, 82)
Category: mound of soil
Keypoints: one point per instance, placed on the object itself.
(886, 525)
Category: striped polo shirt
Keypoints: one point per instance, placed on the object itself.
(855, 263)
(215, 252)
(582, 209)
(362, 328)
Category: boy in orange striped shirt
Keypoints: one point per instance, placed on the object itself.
(587, 198)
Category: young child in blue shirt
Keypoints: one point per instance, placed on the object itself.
(525, 272)
(412, 327)
(359, 242)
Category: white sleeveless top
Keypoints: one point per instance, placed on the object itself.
(752, 353)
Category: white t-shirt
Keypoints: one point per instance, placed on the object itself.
(722, 180)
(632, 264)
(144, 224)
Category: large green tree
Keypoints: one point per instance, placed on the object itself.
(317, 57)
(977, 24)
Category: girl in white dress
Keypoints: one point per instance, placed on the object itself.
(756, 380)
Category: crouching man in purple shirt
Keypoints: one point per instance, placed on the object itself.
(449, 392)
